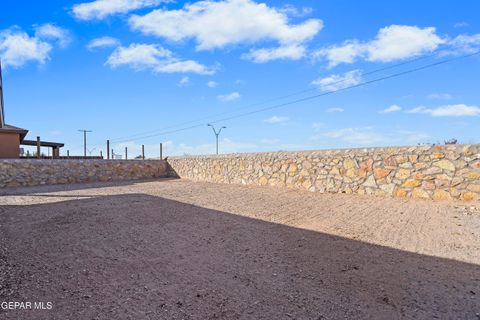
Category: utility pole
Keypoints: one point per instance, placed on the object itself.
(84, 141)
(216, 133)
(2, 114)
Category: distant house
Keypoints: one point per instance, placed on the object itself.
(12, 137)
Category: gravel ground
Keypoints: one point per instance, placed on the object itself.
(174, 249)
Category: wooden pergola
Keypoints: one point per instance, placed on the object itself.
(38, 143)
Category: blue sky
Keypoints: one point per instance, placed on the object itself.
(126, 67)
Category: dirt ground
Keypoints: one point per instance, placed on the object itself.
(174, 249)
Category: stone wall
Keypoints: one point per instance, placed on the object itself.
(429, 172)
(32, 172)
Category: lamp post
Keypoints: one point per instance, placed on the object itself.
(216, 133)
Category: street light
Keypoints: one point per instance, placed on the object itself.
(216, 133)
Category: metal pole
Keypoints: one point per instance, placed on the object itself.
(216, 133)
(108, 149)
(38, 147)
(84, 141)
(126, 153)
(161, 151)
(101, 154)
(112, 154)
(68, 153)
(143, 152)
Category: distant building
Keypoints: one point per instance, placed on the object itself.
(12, 137)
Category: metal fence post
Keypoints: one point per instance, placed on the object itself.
(38, 147)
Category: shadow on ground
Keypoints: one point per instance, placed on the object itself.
(142, 257)
(75, 186)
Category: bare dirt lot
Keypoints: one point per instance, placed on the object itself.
(174, 249)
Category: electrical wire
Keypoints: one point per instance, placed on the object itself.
(362, 84)
(123, 138)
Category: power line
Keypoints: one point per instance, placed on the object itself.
(271, 100)
(362, 84)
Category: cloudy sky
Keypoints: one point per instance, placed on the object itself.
(140, 71)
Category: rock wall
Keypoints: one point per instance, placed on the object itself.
(429, 172)
(32, 172)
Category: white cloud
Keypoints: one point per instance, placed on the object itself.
(226, 145)
(392, 108)
(212, 84)
(155, 57)
(276, 119)
(183, 66)
(461, 24)
(348, 52)
(229, 97)
(139, 56)
(334, 110)
(184, 82)
(18, 48)
(244, 21)
(103, 42)
(395, 42)
(455, 110)
(463, 44)
(292, 11)
(362, 136)
(400, 42)
(291, 52)
(440, 96)
(337, 82)
(53, 32)
(365, 136)
(100, 9)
